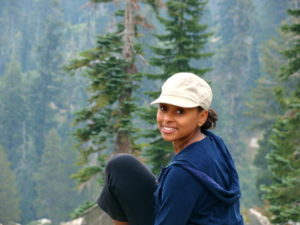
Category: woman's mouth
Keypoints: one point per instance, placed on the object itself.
(167, 130)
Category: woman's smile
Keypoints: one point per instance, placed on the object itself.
(167, 129)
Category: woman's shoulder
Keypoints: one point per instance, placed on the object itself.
(175, 177)
(197, 154)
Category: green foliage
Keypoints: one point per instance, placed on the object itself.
(177, 50)
(13, 111)
(270, 14)
(264, 176)
(108, 113)
(266, 105)
(34, 97)
(184, 40)
(11, 13)
(27, 167)
(44, 101)
(106, 125)
(86, 174)
(9, 207)
(54, 186)
(45, 88)
(235, 70)
(283, 159)
(284, 163)
(80, 210)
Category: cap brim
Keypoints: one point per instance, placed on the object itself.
(177, 101)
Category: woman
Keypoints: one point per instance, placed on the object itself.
(199, 186)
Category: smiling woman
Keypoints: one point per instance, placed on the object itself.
(200, 185)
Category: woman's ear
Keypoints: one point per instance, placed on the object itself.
(202, 117)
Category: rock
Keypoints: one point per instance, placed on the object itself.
(293, 223)
(93, 215)
(44, 221)
(11, 223)
(256, 218)
(78, 221)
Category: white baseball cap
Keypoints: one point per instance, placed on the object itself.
(185, 90)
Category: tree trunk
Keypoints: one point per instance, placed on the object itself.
(123, 139)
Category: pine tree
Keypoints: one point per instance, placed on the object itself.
(47, 83)
(13, 111)
(106, 125)
(25, 170)
(270, 14)
(108, 114)
(235, 71)
(284, 158)
(56, 196)
(9, 207)
(10, 14)
(180, 49)
(264, 105)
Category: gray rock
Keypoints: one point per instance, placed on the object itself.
(256, 218)
(93, 216)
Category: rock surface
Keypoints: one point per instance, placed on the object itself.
(93, 216)
(256, 218)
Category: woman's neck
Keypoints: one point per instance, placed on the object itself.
(179, 145)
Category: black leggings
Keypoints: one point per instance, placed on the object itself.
(128, 191)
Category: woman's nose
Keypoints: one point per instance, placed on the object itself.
(168, 117)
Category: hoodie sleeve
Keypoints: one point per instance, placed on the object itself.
(177, 196)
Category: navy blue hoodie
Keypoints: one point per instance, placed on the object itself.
(199, 187)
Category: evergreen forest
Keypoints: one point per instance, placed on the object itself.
(77, 78)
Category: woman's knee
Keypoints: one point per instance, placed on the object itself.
(121, 164)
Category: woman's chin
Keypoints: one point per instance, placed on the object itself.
(167, 138)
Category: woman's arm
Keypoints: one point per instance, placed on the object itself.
(178, 196)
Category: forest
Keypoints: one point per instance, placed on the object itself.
(77, 78)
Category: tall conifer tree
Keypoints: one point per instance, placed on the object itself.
(54, 185)
(10, 23)
(47, 84)
(44, 97)
(284, 157)
(233, 65)
(180, 49)
(13, 110)
(264, 106)
(235, 70)
(9, 207)
(107, 122)
(27, 166)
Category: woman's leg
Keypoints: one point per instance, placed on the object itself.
(127, 195)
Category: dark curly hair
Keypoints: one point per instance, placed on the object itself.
(211, 121)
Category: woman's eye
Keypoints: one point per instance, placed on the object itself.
(162, 108)
(179, 111)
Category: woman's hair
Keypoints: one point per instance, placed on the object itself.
(211, 120)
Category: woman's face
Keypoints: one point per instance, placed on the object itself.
(179, 125)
